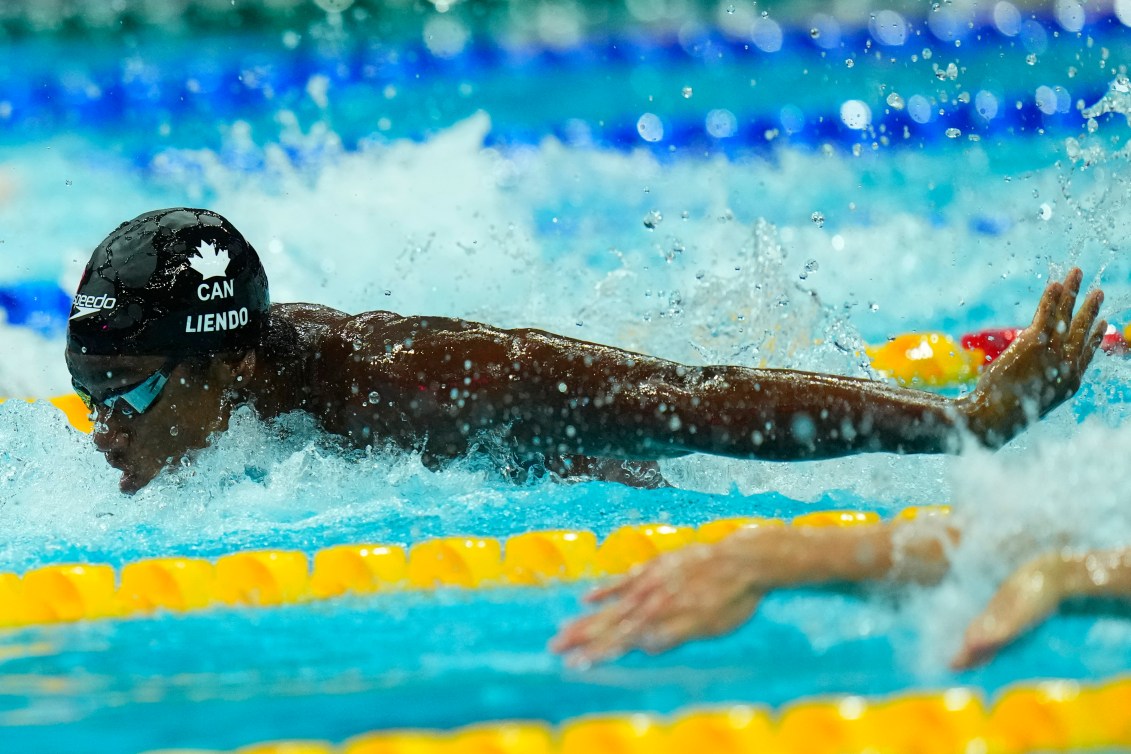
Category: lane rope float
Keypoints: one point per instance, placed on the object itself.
(1056, 715)
(265, 578)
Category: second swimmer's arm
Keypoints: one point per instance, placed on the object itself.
(1036, 590)
(709, 590)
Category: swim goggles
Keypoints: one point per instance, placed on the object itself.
(137, 399)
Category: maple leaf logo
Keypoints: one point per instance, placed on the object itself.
(211, 262)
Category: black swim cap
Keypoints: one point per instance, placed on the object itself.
(175, 282)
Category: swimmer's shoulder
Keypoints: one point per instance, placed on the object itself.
(328, 329)
(317, 325)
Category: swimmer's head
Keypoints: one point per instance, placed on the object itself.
(174, 282)
(162, 337)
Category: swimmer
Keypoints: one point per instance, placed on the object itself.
(172, 328)
(709, 590)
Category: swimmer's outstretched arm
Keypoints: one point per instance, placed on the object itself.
(709, 590)
(449, 380)
(1036, 590)
(613, 403)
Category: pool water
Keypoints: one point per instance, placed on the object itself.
(689, 192)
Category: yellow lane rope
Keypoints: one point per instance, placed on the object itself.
(1042, 716)
(72, 592)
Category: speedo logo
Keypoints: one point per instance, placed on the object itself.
(87, 305)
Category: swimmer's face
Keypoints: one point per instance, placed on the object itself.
(194, 403)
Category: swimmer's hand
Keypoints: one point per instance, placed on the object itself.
(1036, 590)
(1041, 368)
(699, 591)
(1027, 597)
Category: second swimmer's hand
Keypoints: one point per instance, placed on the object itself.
(1041, 368)
(1027, 597)
(699, 591)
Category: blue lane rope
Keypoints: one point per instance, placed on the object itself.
(221, 81)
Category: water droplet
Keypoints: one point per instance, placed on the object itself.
(652, 219)
(895, 101)
(730, 9)
(388, 292)
(818, 219)
(374, 397)
(815, 33)
(686, 92)
(1031, 58)
(953, 133)
(873, 306)
(174, 430)
(849, 63)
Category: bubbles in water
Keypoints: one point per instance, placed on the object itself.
(174, 430)
(818, 219)
(652, 219)
(815, 33)
(895, 101)
(953, 133)
(686, 92)
(1031, 58)
(810, 267)
(650, 127)
(374, 397)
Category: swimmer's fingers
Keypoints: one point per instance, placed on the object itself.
(587, 638)
(1080, 324)
(1043, 317)
(1026, 597)
(1062, 317)
(1084, 327)
(1094, 341)
(605, 633)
